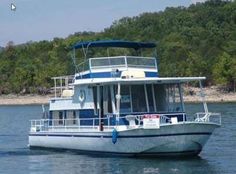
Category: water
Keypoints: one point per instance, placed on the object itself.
(218, 156)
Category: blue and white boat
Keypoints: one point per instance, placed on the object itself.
(120, 105)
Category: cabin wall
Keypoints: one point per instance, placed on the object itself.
(75, 102)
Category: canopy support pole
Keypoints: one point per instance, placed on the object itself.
(203, 97)
(118, 98)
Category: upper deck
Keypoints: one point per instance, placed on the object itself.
(112, 65)
(107, 67)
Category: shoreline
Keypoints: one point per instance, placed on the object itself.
(191, 95)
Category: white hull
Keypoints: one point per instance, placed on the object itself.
(182, 138)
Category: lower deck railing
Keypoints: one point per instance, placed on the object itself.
(111, 122)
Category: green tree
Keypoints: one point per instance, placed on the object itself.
(224, 70)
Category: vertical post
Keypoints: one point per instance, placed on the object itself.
(130, 96)
(203, 97)
(98, 105)
(98, 98)
(101, 111)
(76, 67)
(61, 85)
(126, 63)
(67, 82)
(156, 65)
(181, 97)
(154, 99)
(118, 97)
(89, 66)
(168, 96)
(108, 54)
(146, 97)
(55, 87)
(112, 99)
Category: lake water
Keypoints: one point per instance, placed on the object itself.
(218, 156)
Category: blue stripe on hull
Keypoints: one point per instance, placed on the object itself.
(122, 136)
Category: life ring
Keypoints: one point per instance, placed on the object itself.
(82, 95)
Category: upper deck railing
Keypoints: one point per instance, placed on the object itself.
(118, 62)
(62, 83)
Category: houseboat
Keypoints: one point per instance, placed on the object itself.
(120, 105)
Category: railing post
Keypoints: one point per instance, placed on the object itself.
(93, 122)
(55, 88)
(52, 124)
(64, 124)
(126, 62)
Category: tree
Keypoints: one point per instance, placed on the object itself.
(224, 70)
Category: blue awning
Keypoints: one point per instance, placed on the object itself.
(114, 43)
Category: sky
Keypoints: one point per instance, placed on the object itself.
(35, 20)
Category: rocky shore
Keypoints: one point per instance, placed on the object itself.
(24, 99)
(212, 94)
(190, 95)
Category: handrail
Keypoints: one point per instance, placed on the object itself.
(62, 83)
(75, 124)
(206, 117)
(122, 63)
(53, 124)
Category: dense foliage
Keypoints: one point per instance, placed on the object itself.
(196, 41)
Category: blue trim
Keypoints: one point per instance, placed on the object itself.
(114, 43)
(120, 136)
(85, 76)
(151, 74)
(95, 75)
(110, 75)
(100, 75)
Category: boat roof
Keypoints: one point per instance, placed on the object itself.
(159, 80)
(114, 43)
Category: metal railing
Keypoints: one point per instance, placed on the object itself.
(110, 122)
(93, 123)
(118, 62)
(62, 83)
(87, 123)
(208, 117)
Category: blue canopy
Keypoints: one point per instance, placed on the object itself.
(114, 43)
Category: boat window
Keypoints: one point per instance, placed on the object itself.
(150, 98)
(174, 101)
(132, 99)
(141, 62)
(167, 98)
(138, 98)
(107, 62)
(125, 100)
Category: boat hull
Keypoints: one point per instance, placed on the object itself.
(172, 139)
